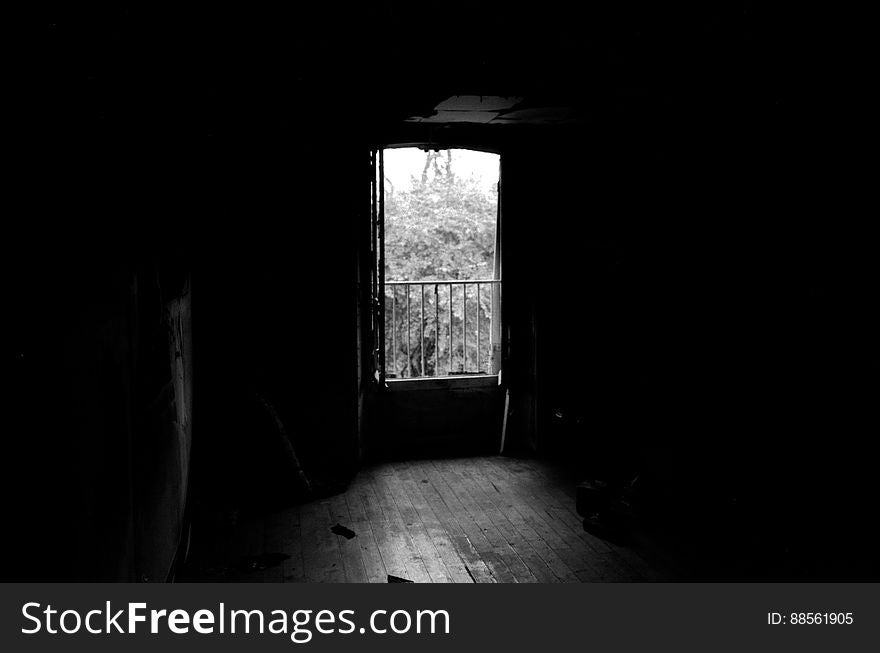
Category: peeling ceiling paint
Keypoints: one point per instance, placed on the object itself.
(496, 110)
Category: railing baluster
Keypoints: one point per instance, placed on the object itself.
(436, 332)
(394, 330)
(479, 361)
(489, 364)
(408, 354)
(449, 287)
(464, 327)
(422, 324)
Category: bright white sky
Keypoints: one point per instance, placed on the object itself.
(403, 162)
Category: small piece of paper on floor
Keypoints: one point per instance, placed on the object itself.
(397, 579)
(347, 533)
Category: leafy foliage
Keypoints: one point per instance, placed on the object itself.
(443, 228)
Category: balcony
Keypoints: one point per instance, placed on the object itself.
(442, 329)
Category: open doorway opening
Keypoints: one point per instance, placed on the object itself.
(442, 264)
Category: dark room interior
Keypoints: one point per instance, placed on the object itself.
(688, 373)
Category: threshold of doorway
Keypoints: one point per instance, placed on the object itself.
(444, 382)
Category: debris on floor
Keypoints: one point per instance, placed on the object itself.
(591, 496)
(284, 449)
(347, 533)
(397, 579)
(262, 561)
(606, 527)
(607, 508)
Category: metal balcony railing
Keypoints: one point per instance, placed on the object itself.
(441, 328)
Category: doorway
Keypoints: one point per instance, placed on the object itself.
(438, 288)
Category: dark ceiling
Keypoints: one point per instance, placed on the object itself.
(242, 68)
(661, 82)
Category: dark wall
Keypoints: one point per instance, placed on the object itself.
(438, 420)
(703, 319)
(99, 366)
(276, 313)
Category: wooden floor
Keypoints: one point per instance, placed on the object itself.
(464, 520)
